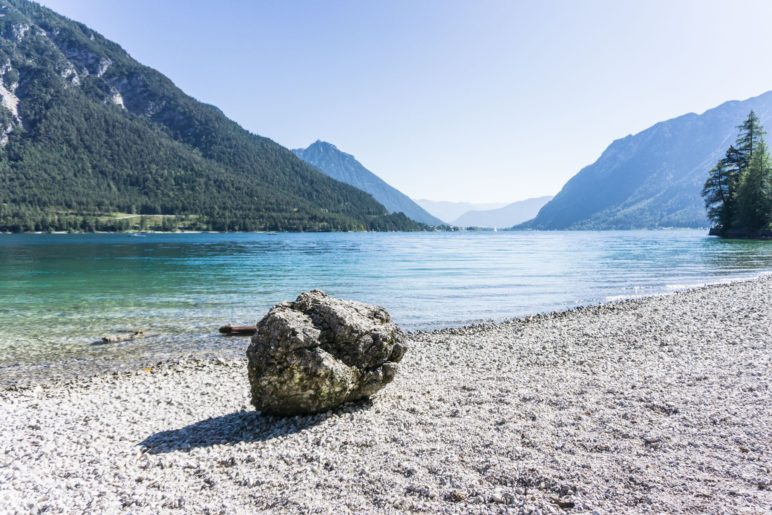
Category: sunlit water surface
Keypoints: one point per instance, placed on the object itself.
(60, 293)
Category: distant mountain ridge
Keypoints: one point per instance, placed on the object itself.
(503, 217)
(653, 178)
(449, 211)
(345, 168)
(86, 132)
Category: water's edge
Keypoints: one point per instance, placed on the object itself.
(234, 355)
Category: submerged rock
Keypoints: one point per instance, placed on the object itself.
(319, 352)
(123, 337)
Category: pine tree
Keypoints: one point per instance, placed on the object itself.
(750, 137)
(718, 193)
(721, 190)
(754, 193)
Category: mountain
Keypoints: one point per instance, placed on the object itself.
(345, 168)
(90, 138)
(507, 216)
(450, 211)
(654, 178)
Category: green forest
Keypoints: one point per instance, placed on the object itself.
(738, 191)
(100, 142)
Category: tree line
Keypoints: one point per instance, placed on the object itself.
(738, 191)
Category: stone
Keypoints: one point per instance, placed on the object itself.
(123, 337)
(319, 352)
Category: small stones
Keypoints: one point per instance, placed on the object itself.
(565, 504)
(456, 496)
(582, 423)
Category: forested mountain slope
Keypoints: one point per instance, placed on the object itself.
(653, 178)
(345, 168)
(86, 131)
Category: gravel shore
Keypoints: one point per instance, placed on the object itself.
(656, 405)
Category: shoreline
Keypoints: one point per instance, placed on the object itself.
(618, 300)
(226, 352)
(438, 228)
(653, 404)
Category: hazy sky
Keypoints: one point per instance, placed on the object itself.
(476, 100)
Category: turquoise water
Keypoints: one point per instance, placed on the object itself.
(60, 293)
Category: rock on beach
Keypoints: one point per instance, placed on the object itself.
(319, 352)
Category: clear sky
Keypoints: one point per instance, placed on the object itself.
(476, 100)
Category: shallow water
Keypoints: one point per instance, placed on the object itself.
(60, 293)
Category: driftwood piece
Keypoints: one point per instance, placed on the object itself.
(238, 330)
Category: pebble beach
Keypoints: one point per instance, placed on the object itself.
(662, 404)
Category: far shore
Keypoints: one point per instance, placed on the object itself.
(658, 404)
(443, 229)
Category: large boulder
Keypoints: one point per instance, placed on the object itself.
(319, 352)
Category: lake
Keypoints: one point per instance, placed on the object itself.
(61, 293)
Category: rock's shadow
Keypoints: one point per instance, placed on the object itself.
(241, 426)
